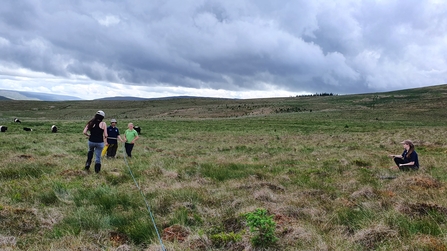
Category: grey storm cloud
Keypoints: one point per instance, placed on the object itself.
(307, 46)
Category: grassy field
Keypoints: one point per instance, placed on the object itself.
(317, 165)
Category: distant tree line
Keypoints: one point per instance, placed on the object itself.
(291, 109)
(317, 94)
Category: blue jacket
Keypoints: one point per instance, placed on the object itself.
(112, 133)
(413, 157)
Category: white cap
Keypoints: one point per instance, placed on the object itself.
(113, 121)
(101, 113)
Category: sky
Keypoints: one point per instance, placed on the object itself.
(221, 48)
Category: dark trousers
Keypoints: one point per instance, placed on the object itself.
(111, 150)
(404, 168)
(129, 148)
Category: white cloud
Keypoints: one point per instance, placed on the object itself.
(107, 20)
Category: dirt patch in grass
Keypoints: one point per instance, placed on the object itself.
(73, 173)
(424, 182)
(118, 239)
(268, 185)
(175, 233)
(25, 156)
(426, 242)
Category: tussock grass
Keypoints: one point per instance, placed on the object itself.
(202, 164)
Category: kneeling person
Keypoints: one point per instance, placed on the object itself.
(409, 158)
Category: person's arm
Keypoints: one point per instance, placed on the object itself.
(412, 160)
(124, 137)
(104, 128)
(85, 132)
(135, 139)
(407, 164)
(402, 156)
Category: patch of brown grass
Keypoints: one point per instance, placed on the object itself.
(73, 173)
(365, 192)
(118, 239)
(371, 237)
(421, 208)
(264, 195)
(25, 156)
(175, 233)
(7, 242)
(423, 181)
(18, 221)
(427, 242)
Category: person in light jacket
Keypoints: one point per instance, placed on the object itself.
(130, 136)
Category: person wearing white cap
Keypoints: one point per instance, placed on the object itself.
(96, 131)
(409, 158)
(113, 134)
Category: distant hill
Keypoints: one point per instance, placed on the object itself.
(19, 95)
(128, 98)
(4, 98)
(121, 98)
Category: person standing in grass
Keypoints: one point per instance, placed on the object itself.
(96, 131)
(130, 136)
(112, 139)
(409, 158)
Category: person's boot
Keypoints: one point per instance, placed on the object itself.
(89, 160)
(87, 166)
(97, 167)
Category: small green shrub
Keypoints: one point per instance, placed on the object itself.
(263, 226)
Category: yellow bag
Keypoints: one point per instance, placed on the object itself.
(104, 150)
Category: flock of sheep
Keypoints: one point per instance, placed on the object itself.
(16, 120)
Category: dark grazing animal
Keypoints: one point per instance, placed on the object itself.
(53, 128)
(27, 129)
(137, 128)
(3, 128)
(16, 120)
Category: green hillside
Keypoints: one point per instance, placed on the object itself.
(319, 166)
